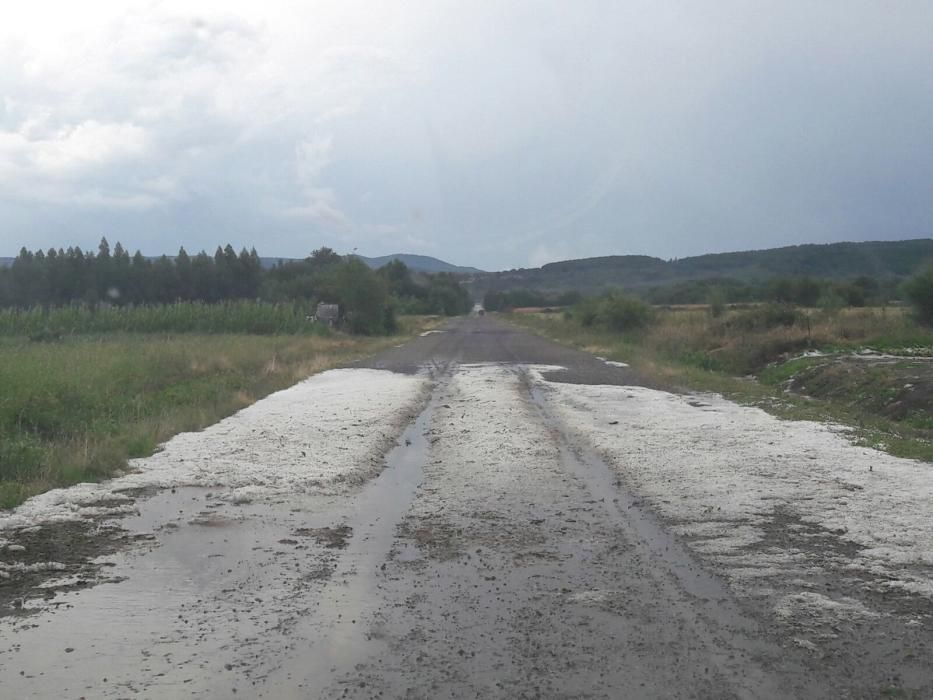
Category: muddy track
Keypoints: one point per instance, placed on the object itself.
(533, 532)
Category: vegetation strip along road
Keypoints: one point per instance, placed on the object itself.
(75, 410)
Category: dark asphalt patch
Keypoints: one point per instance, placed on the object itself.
(480, 340)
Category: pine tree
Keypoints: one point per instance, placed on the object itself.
(184, 273)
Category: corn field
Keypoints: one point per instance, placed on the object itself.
(255, 318)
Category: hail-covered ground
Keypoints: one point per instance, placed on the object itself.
(480, 514)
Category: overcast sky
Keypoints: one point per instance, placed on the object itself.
(496, 134)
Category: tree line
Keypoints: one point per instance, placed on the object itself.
(369, 299)
(62, 277)
(797, 290)
(500, 300)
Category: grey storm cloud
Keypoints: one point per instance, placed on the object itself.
(488, 133)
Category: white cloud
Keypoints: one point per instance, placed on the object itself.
(318, 204)
(71, 164)
(87, 145)
(320, 208)
(646, 126)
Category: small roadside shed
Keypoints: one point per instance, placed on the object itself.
(327, 313)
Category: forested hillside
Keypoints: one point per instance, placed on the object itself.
(879, 260)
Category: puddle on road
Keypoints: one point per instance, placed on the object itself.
(156, 627)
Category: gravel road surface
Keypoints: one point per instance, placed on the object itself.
(479, 514)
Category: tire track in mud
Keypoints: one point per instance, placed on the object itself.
(336, 638)
(521, 571)
(733, 640)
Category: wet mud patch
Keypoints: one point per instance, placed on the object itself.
(786, 529)
(208, 519)
(39, 563)
(324, 571)
(838, 603)
(436, 537)
(135, 492)
(328, 537)
(497, 530)
(606, 599)
(538, 556)
(838, 568)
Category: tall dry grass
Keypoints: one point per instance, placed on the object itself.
(740, 341)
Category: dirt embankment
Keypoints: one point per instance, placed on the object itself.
(896, 387)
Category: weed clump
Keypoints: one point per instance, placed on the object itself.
(614, 312)
(765, 317)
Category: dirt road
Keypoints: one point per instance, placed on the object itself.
(479, 514)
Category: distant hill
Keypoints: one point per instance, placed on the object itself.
(421, 263)
(6, 262)
(883, 259)
(418, 263)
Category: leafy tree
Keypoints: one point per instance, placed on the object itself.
(363, 297)
(324, 258)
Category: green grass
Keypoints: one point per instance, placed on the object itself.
(184, 317)
(76, 410)
(682, 351)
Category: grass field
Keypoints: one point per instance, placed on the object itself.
(686, 348)
(74, 410)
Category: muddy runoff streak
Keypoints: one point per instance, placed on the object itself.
(337, 638)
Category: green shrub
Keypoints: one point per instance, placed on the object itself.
(587, 312)
(614, 312)
(623, 313)
(919, 291)
(717, 302)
